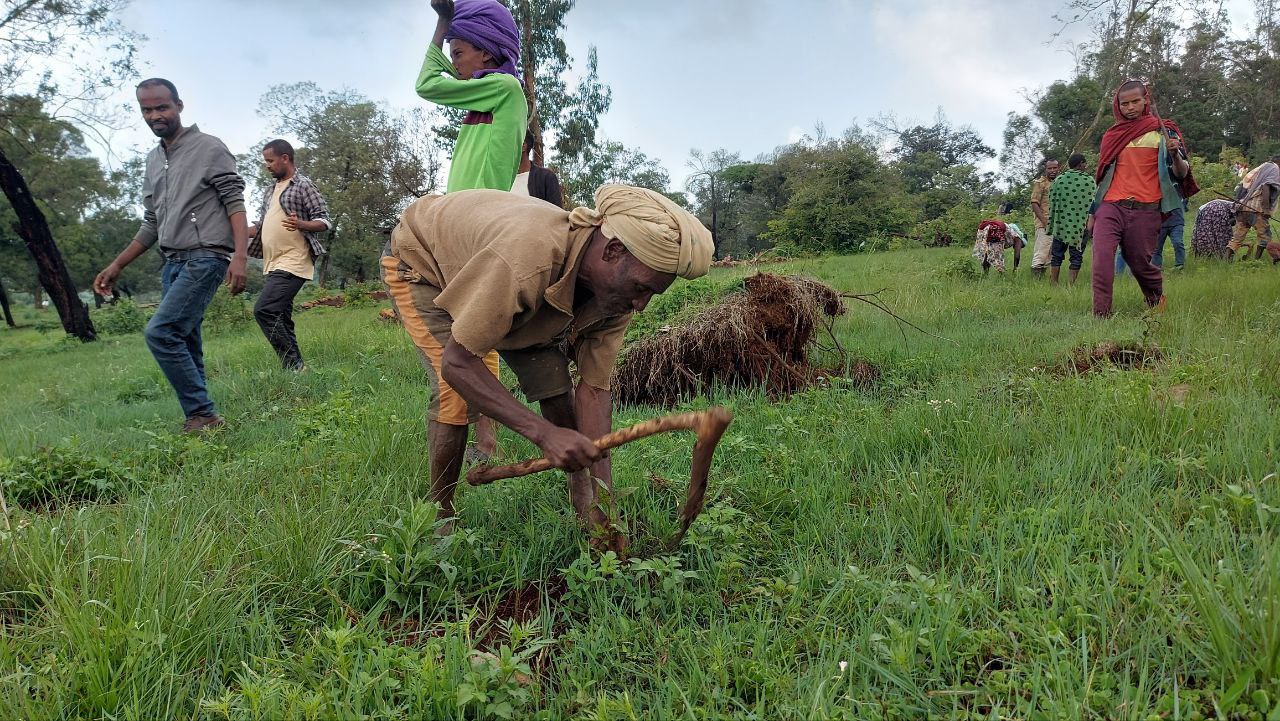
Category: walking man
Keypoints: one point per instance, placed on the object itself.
(1041, 207)
(1070, 198)
(193, 207)
(1139, 174)
(287, 238)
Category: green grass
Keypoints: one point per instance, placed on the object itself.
(976, 536)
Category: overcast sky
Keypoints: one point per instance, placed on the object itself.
(745, 75)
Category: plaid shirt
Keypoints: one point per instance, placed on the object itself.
(299, 197)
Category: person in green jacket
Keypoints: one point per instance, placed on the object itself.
(479, 76)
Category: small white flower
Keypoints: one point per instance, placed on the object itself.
(843, 666)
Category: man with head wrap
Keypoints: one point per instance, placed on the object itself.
(483, 270)
(480, 78)
(1142, 173)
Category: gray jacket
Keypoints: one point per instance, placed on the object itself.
(189, 190)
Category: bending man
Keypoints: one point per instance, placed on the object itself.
(483, 270)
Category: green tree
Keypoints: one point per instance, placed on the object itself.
(841, 194)
(367, 162)
(92, 54)
(86, 209)
(939, 163)
(613, 162)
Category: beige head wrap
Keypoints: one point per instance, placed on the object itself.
(659, 233)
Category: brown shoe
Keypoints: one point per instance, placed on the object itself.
(200, 424)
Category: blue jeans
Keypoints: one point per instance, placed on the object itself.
(173, 334)
(1171, 229)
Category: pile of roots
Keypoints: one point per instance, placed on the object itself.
(1108, 354)
(761, 336)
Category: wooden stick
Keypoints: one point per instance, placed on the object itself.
(710, 426)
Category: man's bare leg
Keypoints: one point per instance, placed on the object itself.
(1054, 270)
(1073, 273)
(486, 436)
(582, 487)
(446, 445)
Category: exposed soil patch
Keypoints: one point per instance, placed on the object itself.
(1108, 354)
(762, 336)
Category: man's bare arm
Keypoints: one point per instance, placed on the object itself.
(444, 12)
(564, 447)
(106, 280)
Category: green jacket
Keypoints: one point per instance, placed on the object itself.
(487, 154)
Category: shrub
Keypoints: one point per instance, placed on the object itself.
(961, 268)
(227, 312)
(58, 474)
(121, 318)
(361, 294)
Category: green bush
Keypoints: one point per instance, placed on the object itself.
(120, 318)
(361, 293)
(58, 474)
(960, 268)
(227, 312)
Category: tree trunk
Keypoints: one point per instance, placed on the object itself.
(530, 93)
(4, 303)
(322, 270)
(52, 271)
(37, 297)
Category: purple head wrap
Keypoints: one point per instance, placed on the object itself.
(488, 25)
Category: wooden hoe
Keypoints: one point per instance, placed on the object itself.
(709, 425)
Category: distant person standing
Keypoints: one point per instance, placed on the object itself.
(287, 238)
(1256, 207)
(1139, 174)
(535, 180)
(479, 76)
(1041, 207)
(193, 207)
(1070, 197)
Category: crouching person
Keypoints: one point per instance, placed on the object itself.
(482, 270)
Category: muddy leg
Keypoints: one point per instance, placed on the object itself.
(582, 487)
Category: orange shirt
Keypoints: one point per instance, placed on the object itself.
(1137, 172)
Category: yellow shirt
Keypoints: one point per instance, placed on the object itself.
(284, 249)
(507, 267)
(1040, 194)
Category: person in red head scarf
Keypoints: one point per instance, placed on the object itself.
(1142, 175)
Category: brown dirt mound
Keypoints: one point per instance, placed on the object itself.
(762, 336)
(1108, 354)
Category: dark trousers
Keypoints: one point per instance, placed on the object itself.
(173, 333)
(274, 311)
(1134, 233)
(1058, 253)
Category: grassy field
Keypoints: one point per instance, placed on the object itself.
(977, 535)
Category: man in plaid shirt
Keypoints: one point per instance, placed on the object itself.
(287, 238)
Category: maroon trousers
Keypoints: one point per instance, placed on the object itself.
(1134, 233)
